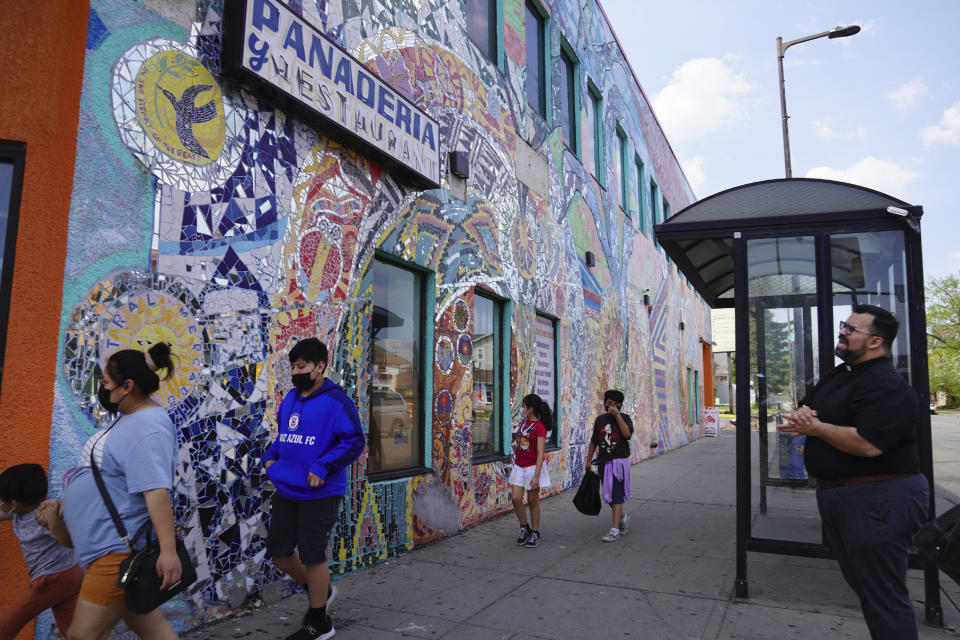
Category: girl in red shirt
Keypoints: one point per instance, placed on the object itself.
(529, 472)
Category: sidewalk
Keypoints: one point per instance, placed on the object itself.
(670, 577)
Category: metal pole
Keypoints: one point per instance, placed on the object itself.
(783, 111)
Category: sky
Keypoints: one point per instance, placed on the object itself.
(880, 108)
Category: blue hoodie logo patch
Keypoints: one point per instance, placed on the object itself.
(293, 422)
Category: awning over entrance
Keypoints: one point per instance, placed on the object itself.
(700, 238)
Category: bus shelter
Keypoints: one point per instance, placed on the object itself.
(792, 257)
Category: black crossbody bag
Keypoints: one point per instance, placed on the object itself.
(138, 572)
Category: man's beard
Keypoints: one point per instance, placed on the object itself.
(848, 355)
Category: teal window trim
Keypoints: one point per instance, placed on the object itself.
(571, 55)
(495, 33)
(654, 197)
(598, 154)
(641, 193)
(501, 51)
(690, 395)
(555, 436)
(696, 395)
(544, 61)
(429, 284)
(506, 418)
(624, 176)
(666, 214)
(503, 311)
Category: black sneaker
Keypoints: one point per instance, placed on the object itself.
(315, 631)
(533, 540)
(524, 535)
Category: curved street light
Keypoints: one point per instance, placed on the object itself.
(836, 32)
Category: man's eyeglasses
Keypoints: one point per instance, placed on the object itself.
(849, 328)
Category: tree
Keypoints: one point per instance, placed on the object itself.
(943, 332)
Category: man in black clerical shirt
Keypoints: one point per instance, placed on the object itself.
(860, 422)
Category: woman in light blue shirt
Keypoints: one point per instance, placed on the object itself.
(136, 457)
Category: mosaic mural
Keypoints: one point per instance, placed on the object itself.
(205, 215)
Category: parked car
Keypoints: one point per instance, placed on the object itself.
(933, 409)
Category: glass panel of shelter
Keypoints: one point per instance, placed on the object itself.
(784, 284)
(784, 347)
(870, 268)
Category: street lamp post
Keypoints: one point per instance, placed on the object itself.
(836, 32)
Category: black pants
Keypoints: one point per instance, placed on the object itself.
(869, 527)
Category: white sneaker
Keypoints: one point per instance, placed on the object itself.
(624, 524)
(613, 534)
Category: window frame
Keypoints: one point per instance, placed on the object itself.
(641, 193)
(573, 88)
(426, 278)
(544, 90)
(624, 195)
(666, 214)
(495, 8)
(596, 99)
(553, 442)
(654, 196)
(15, 154)
(502, 311)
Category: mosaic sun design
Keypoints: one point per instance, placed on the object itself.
(151, 317)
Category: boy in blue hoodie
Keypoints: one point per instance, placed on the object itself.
(319, 436)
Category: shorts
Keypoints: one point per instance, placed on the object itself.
(101, 583)
(522, 476)
(304, 526)
(619, 493)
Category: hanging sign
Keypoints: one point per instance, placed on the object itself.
(266, 41)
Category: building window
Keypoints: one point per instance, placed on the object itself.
(487, 376)
(12, 156)
(397, 368)
(568, 99)
(654, 220)
(641, 201)
(545, 381)
(536, 43)
(666, 215)
(690, 392)
(621, 170)
(482, 26)
(696, 395)
(595, 130)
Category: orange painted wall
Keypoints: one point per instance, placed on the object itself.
(42, 45)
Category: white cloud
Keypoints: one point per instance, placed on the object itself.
(948, 131)
(885, 176)
(822, 129)
(693, 169)
(703, 95)
(906, 96)
(860, 133)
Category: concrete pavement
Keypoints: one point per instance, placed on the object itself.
(671, 577)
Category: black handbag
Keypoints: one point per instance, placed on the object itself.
(938, 542)
(587, 501)
(138, 572)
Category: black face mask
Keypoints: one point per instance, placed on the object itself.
(103, 395)
(302, 381)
